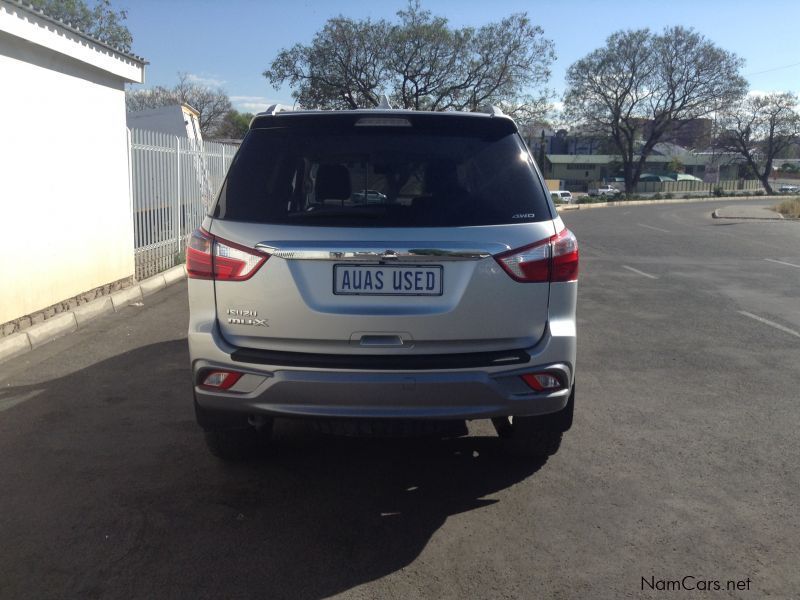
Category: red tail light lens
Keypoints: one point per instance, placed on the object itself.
(235, 263)
(553, 259)
(565, 257)
(210, 257)
(529, 264)
(198, 255)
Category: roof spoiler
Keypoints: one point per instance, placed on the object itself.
(272, 109)
(491, 109)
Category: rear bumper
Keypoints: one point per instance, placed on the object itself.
(454, 393)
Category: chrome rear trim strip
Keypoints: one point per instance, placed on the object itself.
(381, 252)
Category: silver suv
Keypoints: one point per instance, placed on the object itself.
(448, 295)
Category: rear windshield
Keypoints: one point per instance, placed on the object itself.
(382, 177)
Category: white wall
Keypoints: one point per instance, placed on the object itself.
(64, 194)
(174, 120)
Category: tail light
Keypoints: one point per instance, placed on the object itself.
(553, 259)
(210, 257)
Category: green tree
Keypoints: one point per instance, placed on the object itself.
(421, 63)
(760, 128)
(212, 103)
(661, 79)
(234, 125)
(343, 68)
(99, 21)
(675, 165)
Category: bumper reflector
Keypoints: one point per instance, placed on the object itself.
(542, 382)
(220, 380)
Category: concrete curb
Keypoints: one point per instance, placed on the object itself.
(67, 322)
(584, 206)
(14, 345)
(716, 215)
(95, 308)
(124, 297)
(779, 217)
(52, 328)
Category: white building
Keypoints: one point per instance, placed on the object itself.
(177, 119)
(64, 181)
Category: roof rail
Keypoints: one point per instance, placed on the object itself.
(491, 109)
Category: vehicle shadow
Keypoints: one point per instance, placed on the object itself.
(109, 492)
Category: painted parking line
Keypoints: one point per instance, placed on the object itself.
(637, 271)
(780, 262)
(653, 228)
(770, 323)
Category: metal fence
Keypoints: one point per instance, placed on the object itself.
(669, 187)
(173, 182)
(672, 187)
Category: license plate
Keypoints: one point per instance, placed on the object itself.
(387, 280)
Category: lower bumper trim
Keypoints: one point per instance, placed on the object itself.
(381, 362)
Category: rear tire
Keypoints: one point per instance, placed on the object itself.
(231, 436)
(536, 437)
(236, 445)
(532, 443)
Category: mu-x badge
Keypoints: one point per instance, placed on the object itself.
(243, 316)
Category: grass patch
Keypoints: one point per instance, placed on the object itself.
(592, 199)
(789, 208)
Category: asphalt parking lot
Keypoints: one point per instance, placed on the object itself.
(682, 464)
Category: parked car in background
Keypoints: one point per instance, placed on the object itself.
(683, 177)
(653, 177)
(788, 188)
(604, 190)
(562, 196)
(368, 197)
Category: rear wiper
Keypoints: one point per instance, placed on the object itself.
(336, 212)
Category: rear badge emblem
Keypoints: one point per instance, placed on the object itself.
(253, 322)
(239, 316)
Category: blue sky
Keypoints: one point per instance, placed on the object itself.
(230, 43)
